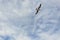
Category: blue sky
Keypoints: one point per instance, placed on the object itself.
(19, 22)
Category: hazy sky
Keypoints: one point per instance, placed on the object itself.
(19, 22)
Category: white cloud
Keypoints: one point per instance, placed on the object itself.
(8, 13)
(11, 15)
(22, 37)
(45, 36)
(5, 29)
(3, 17)
(49, 16)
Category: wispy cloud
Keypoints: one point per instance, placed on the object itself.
(17, 19)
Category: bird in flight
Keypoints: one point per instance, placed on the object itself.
(37, 9)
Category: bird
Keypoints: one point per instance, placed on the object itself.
(37, 9)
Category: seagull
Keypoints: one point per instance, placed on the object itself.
(37, 9)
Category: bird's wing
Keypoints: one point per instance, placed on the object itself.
(39, 6)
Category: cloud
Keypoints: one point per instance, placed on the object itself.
(13, 18)
(17, 17)
(5, 29)
(22, 37)
(45, 36)
(47, 20)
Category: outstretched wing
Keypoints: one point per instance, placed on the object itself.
(36, 11)
(39, 6)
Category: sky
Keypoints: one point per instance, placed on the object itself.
(19, 22)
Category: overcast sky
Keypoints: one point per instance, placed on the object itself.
(19, 22)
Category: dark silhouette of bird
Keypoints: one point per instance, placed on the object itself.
(37, 9)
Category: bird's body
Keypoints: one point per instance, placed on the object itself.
(37, 9)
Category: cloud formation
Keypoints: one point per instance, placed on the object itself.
(17, 20)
